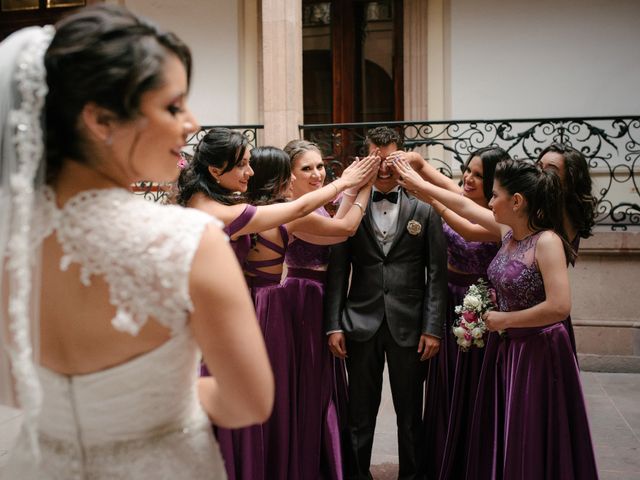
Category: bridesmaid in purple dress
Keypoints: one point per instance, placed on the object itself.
(216, 179)
(220, 168)
(541, 426)
(321, 379)
(453, 376)
(279, 439)
(579, 203)
(578, 220)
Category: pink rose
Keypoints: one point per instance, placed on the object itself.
(469, 316)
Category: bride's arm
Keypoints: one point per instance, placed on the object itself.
(240, 390)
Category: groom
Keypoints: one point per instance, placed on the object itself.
(392, 309)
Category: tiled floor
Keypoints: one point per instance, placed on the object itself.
(613, 402)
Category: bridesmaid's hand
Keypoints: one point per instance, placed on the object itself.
(408, 178)
(359, 172)
(428, 346)
(338, 345)
(496, 321)
(413, 158)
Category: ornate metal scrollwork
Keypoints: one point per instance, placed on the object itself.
(610, 144)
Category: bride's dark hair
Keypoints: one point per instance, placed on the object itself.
(107, 55)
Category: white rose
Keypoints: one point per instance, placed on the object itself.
(471, 302)
(479, 343)
(459, 332)
(464, 343)
(477, 333)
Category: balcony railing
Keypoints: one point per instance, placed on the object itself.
(160, 192)
(610, 144)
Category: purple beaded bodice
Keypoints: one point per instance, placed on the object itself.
(468, 257)
(514, 274)
(302, 254)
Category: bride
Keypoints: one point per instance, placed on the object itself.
(130, 294)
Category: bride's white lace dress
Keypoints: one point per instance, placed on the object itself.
(140, 419)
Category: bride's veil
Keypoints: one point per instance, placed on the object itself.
(22, 93)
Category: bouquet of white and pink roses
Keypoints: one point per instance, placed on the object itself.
(470, 329)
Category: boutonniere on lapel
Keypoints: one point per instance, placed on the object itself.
(413, 227)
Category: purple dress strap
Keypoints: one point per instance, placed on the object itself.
(241, 220)
(262, 278)
(242, 244)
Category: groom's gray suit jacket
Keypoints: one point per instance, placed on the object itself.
(392, 286)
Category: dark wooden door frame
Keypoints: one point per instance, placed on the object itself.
(343, 58)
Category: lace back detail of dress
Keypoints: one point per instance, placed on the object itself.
(143, 250)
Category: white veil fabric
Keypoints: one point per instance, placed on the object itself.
(23, 90)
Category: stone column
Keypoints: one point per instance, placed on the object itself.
(426, 77)
(415, 45)
(425, 59)
(281, 70)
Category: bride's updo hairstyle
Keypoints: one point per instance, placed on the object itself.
(543, 192)
(107, 55)
(221, 148)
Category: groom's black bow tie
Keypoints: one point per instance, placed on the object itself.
(390, 197)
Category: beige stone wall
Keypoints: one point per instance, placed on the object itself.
(606, 302)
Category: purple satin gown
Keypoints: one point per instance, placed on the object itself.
(268, 451)
(486, 444)
(542, 430)
(321, 379)
(453, 375)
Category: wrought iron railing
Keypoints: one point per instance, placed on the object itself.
(161, 192)
(610, 144)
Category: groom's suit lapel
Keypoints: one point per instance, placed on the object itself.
(367, 222)
(408, 206)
